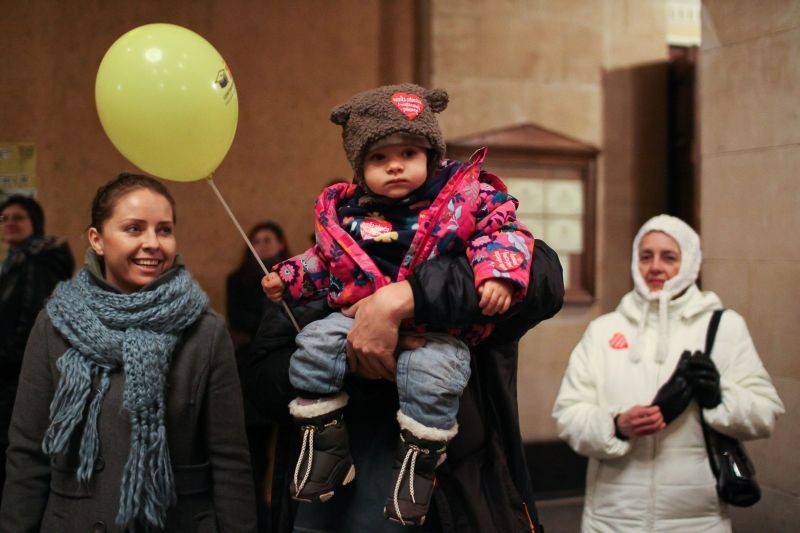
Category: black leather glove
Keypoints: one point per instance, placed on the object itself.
(676, 394)
(704, 377)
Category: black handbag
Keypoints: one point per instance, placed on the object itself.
(735, 473)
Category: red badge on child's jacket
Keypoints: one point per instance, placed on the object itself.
(618, 341)
(372, 228)
(409, 104)
(505, 260)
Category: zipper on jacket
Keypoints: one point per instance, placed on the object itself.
(651, 506)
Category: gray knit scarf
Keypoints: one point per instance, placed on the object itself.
(135, 333)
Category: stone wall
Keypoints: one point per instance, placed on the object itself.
(750, 213)
(590, 70)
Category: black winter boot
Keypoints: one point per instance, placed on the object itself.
(413, 479)
(325, 463)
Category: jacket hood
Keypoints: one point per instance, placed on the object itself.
(637, 309)
(691, 256)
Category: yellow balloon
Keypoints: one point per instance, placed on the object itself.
(167, 101)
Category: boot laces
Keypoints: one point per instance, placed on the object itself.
(308, 445)
(410, 461)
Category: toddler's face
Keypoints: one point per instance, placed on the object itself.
(395, 171)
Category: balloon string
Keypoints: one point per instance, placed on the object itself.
(210, 180)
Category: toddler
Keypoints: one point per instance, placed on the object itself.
(406, 205)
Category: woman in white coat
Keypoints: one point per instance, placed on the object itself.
(646, 474)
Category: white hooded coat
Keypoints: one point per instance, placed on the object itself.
(661, 482)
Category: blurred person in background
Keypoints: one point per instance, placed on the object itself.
(648, 464)
(245, 305)
(30, 272)
(245, 299)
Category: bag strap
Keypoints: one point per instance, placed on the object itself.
(710, 436)
(713, 326)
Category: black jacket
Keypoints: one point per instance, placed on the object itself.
(29, 275)
(484, 485)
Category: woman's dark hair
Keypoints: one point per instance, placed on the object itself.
(105, 199)
(32, 207)
(248, 261)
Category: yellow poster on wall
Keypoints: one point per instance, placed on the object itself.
(17, 169)
(17, 174)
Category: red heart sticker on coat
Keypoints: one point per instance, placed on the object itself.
(505, 260)
(372, 228)
(409, 104)
(618, 341)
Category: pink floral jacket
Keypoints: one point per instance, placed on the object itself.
(473, 208)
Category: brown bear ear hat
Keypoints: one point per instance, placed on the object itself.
(405, 110)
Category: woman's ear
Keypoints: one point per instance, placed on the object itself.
(95, 240)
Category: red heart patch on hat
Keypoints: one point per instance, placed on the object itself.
(409, 104)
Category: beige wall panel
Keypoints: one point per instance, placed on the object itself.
(509, 62)
(758, 290)
(442, 9)
(774, 312)
(749, 92)
(749, 73)
(478, 105)
(777, 511)
(750, 199)
(544, 353)
(730, 279)
(732, 21)
(777, 462)
(579, 11)
(572, 109)
(635, 32)
(614, 259)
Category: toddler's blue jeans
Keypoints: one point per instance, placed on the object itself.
(430, 379)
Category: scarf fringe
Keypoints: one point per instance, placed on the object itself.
(90, 442)
(135, 333)
(66, 408)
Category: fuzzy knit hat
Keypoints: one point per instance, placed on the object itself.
(691, 258)
(402, 113)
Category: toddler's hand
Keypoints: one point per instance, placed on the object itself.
(273, 286)
(495, 296)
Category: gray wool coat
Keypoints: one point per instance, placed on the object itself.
(205, 431)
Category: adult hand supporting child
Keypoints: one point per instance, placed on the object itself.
(374, 337)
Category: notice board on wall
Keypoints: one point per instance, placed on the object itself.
(553, 178)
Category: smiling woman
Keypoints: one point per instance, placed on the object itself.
(131, 334)
(137, 240)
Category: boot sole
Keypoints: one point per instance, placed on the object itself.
(325, 496)
(409, 522)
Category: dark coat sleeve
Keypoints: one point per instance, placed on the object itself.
(234, 498)
(27, 485)
(264, 365)
(35, 280)
(244, 303)
(445, 295)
